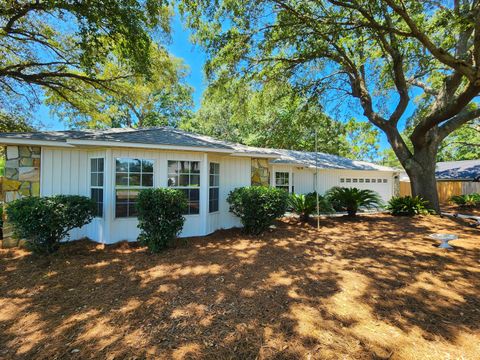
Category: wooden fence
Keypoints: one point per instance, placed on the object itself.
(446, 189)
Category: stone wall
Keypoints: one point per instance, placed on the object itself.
(260, 172)
(22, 178)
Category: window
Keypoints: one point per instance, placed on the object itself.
(349, 180)
(96, 184)
(355, 180)
(379, 180)
(342, 180)
(360, 180)
(374, 180)
(213, 190)
(185, 176)
(385, 181)
(282, 181)
(131, 175)
(367, 180)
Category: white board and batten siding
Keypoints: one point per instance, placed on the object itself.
(67, 171)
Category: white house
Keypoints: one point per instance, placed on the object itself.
(112, 165)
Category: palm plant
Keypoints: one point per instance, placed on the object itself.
(469, 200)
(305, 205)
(351, 199)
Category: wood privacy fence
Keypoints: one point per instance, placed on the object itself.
(446, 189)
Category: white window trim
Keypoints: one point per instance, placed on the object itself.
(90, 186)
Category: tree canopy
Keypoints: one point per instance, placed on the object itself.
(61, 45)
(276, 115)
(379, 53)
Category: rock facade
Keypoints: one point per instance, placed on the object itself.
(260, 172)
(22, 178)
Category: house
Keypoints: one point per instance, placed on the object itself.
(111, 166)
(464, 170)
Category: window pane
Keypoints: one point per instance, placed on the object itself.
(121, 179)
(173, 181)
(93, 165)
(183, 180)
(121, 196)
(195, 167)
(122, 165)
(172, 167)
(135, 165)
(194, 208)
(147, 180)
(134, 180)
(94, 179)
(100, 164)
(194, 180)
(184, 167)
(147, 166)
(194, 195)
(121, 210)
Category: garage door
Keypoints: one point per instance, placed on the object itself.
(380, 184)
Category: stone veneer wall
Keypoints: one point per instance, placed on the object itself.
(260, 172)
(22, 178)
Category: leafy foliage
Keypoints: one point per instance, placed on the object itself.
(160, 216)
(305, 205)
(133, 101)
(257, 206)
(468, 200)
(351, 199)
(60, 45)
(408, 206)
(371, 53)
(45, 221)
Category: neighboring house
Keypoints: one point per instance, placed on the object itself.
(465, 170)
(112, 166)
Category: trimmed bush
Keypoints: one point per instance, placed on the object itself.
(257, 206)
(160, 217)
(408, 206)
(351, 199)
(470, 200)
(305, 205)
(45, 221)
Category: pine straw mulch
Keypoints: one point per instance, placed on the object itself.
(372, 288)
(464, 210)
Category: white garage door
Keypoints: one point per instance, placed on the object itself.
(380, 184)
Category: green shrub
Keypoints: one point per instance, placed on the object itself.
(305, 205)
(408, 206)
(351, 199)
(470, 200)
(160, 217)
(257, 206)
(45, 221)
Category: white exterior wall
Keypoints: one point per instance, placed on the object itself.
(67, 171)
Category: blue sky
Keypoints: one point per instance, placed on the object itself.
(193, 56)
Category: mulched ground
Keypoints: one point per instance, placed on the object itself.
(449, 208)
(372, 288)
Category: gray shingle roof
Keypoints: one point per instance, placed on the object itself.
(174, 137)
(458, 170)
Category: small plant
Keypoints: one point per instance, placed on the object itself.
(160, 217)
(305, 205)
(257, 206)
(408, 206)
(45, 221)
(351, 199)
(470, 200)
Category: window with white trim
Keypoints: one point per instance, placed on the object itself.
(282, 180)
(131, 176)
(185, 176)
(96, 184)
(214, 187)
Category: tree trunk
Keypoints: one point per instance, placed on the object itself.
(421, 170)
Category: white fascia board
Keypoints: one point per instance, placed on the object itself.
(77, 142)
(256, 155)
(28, 142)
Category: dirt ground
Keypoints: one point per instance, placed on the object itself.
(372, 288)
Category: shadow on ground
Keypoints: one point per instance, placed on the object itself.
(375, 287)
